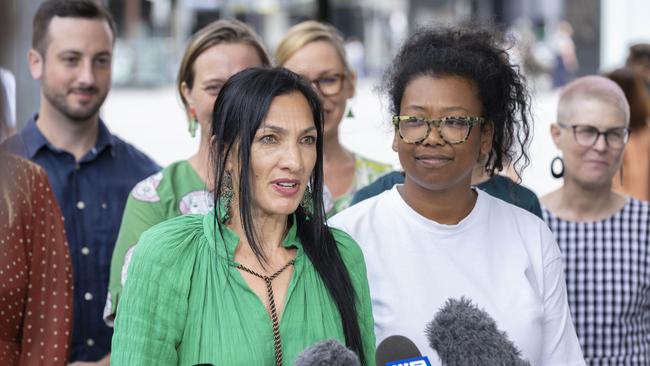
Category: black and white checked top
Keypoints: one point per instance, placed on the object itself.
(607, 266)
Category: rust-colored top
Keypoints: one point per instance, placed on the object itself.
(35, 269)
(636, 166)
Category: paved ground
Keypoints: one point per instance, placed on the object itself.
(153, 120)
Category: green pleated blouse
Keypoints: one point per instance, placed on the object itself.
(185, 303)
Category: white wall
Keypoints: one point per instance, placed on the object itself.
(624, 22)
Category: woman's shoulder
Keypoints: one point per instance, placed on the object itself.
(149, 189)
(367, 170)
(532, 231)
(637, 208)
(373, 166)
(511, 191)
(368, 210)
(20, 170)
(350, 252)
(635, 217)
(348, 247)
(509, 212)
(171, 240)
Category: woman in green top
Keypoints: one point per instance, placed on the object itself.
(213, 54)
(262, 277)
(316, 51)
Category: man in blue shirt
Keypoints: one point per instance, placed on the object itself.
(91, 170)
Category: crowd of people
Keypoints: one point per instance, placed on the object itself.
(274, 236)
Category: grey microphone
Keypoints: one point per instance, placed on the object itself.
(327, 353)
(395, 348)
(464, 335)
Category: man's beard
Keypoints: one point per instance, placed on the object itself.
(58, 101)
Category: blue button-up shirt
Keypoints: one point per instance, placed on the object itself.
(92, 193)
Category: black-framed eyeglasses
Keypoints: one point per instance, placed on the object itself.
(329, 85)
(453, 130)
(587, 135)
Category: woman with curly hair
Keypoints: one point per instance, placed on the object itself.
(456, 98)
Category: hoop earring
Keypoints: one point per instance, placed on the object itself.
(194, 122)
(307, 202)
(227, 196)
(559, 174)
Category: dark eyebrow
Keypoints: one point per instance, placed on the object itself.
(455, 109)
(617, 128)
(77, 53)
(282, 130)
(69, 53)
(213, 80)
(325, 73)
(330, 73)
(599, 130)
(446, 110)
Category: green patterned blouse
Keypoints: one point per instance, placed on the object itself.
(185, 303)
(174, 191)
(366, 172)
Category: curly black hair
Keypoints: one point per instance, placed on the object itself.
(476, 54)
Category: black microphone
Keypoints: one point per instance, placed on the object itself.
(464, 335)
(327, 353)
(398, 348)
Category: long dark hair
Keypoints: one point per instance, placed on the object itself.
(239, 111)
(473, 53)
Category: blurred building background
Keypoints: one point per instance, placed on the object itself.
(152, 36)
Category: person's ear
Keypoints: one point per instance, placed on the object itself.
(395, 140)
(232, 164)
(36, 63)
(487, 136)
(187, 95)
(556, 133)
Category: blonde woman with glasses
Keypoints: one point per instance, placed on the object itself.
(316, 52)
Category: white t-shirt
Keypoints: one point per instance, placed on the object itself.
(501, 257)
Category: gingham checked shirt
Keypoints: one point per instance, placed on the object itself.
(607, 266)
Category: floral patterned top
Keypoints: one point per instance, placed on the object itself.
(174, 191)
(366, 172)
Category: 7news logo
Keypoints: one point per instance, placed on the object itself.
(417, 361)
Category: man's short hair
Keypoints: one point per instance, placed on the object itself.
(49, 9)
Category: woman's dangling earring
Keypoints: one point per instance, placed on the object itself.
(227, 195)
(350, 114)
(194, 122)
(559, 174)
(307, 202)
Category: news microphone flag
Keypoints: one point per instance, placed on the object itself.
(417, 361)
